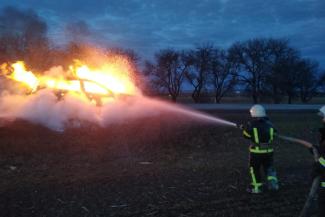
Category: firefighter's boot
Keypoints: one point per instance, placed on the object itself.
(272, 180)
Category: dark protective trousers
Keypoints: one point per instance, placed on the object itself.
(321, 202)
(259, 162)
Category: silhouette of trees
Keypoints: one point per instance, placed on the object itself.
(308, 80)
(198, 73)
(282, 78)
(252, 57)
(271, 68)
(203, 67)
(167, 73)
(223, 76)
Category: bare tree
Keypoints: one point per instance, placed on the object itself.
(223, 75)
(322, 81)
(308, 81)
(252, 57)
(198, 72)
(282, 76)
(168, 71)
(286, 72)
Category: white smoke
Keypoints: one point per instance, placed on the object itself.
(71, 110)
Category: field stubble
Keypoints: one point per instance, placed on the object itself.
(158, 166)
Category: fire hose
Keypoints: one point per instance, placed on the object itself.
(302, 142)
(316, 181)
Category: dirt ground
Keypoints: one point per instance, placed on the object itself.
(158, 166)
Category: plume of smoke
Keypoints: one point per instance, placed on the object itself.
(78, 31)
(44, 108)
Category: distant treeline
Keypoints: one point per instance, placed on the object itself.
(262, 67)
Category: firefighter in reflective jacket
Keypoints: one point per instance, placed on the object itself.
(319, 167)
(261, 132)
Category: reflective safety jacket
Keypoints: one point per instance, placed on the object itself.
(261, 133)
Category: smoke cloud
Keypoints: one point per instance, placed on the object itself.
(72, 110)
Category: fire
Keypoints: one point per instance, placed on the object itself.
(107, 80)
(22, 75)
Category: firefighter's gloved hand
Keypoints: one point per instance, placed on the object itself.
(240, 126)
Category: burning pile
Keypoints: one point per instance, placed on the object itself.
(92, 93)
(104, 82)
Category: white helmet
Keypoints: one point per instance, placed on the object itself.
(322, 112)
(258, 111)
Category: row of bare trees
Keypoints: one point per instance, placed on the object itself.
(264, 67)
(203, 68)
(272, 68)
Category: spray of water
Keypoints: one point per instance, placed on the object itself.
(190, 113)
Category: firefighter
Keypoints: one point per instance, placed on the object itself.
(319, 166)
(260, 132)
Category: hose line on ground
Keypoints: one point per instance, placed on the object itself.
(316, 181)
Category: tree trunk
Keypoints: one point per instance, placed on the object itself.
(289, 99)
(196, 95)
(218, 99)
(304, 100)
(276, 97)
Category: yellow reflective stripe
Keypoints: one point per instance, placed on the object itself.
(321, 160)
(254, 183)
(246, 134)
(260, 151)
(322, 184)
(271, 134)
(272, 178)
(253, 177)
(256, 135)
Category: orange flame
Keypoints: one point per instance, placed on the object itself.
(22, 75)
(107, 80)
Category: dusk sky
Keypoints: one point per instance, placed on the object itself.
(148, 25)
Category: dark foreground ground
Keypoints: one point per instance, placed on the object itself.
(158, 166)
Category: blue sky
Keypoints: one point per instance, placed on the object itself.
(149, 25)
